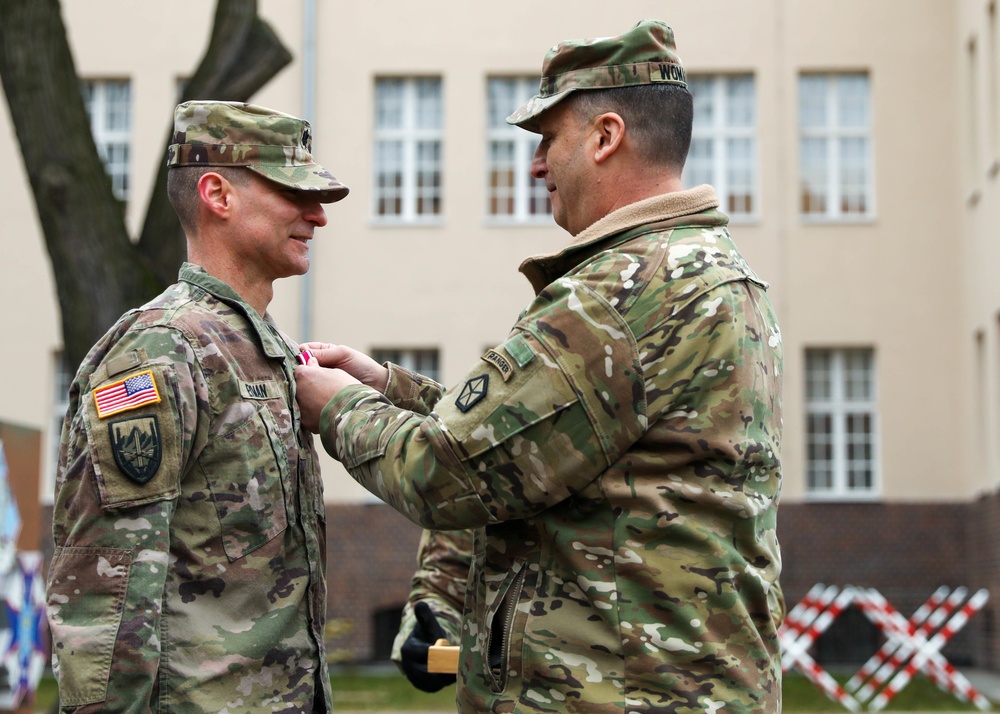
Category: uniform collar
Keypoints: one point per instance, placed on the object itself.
(543, 269)
(274, 343)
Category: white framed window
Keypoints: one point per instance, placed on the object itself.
(109, 107)
(512, 194)
(421, 361)
(723, 141)
(408, 143)
(841, 423)
(835, 146)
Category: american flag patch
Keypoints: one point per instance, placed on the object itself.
(134, 391)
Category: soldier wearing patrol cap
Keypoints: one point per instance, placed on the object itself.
(600, 490)
(189, 569)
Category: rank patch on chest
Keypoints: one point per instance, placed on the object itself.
(137, 447)
(473, 391)
(136, 390)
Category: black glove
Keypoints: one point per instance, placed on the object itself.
(413, 653)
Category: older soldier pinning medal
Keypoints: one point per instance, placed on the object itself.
(600, 491)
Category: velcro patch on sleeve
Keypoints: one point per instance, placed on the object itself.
(136, 390)
(518, 348)
(136, 457)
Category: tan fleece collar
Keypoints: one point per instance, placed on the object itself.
(650, 210)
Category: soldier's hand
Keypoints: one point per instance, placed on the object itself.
(357, 364)
(314, 388)
(425, 633)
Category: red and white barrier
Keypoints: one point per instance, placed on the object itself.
(917, 662)
(912, 645)
(802, 629)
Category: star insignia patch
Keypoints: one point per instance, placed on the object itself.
(473, 391)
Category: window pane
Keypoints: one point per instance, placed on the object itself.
(117, 106)
(852, 101)
(428, 178)
(818, 375)
(814, 175)
(739, 102)
(812, 101)
(858, 381)
(502, 100)
(389, 177)
(428, 104)
(853, 175)
(859, 452)
(820, 452)
(701, 89)
(739, 176)
(501, 178)
(389, 104)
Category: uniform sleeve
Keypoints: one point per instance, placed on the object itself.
(412, 391)
(125, 443)
(443, 561)
(534, 422)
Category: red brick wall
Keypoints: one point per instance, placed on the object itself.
(984, 572)
(372, 554)
(904, 550)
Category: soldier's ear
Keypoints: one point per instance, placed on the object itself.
(609, 130)
(215, 193)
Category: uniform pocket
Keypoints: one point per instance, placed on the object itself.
(85, 601)
(246, 469)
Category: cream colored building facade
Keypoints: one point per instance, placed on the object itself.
(901, 276)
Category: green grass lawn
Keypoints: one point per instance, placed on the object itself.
(801, 695)
(361, 691)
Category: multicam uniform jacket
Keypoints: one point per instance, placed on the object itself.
(618, 459)
(189, 570)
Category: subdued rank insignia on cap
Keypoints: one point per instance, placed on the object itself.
(136, 446)
(473, 391)
(500, 362)
(136, 390)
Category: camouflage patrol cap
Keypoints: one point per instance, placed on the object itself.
(646, 54)
(274, 145)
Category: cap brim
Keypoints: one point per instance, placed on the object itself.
(526, 116)
(312, 178)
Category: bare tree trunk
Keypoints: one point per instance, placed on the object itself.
(97, 270)
(99, 273)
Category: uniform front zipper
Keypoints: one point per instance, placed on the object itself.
(498, 652)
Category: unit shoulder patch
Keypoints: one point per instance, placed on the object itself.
(137, 447)
(473, 392)
(136, 390)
